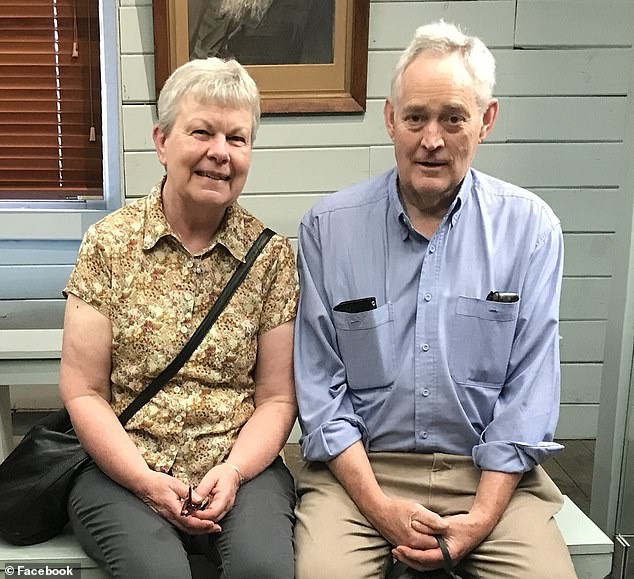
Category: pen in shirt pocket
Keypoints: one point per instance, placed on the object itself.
(503, 297)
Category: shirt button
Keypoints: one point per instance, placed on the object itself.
(190, 264)
(177, 389)
(179, 418)
(425, 392)
(188, 296)
(198, 270)
(184, 329)
(425, 347)
(432, 248)
(423, 434)
(173, 448)
(427, 297)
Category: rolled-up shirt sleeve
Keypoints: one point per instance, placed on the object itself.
(327, 418)
(525, 415)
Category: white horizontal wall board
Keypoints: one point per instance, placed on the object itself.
(582, 341)
(577, 23)
(563, 72)
(46, 225)
(18, 372)
(35, 252)
(33, 281)
(581, 383)
(566, 118)
(309, 170)
(519, 119)
(138, 122)
(25, 344)
(577, 421)
(272, 170)
(392, 25)
(136, 30)
(534, 72)
(137, 78)
(330, 130)
(585, 210)
(281, 213)
(584, 298)
(38, 396)
(135, 2)
(547, 165)
(588, 254)
(142, 171)
(23, 314)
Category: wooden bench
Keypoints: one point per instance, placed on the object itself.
(591, 549)
(32, 357)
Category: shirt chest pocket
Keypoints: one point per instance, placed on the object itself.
(480, 340)
(366, 345)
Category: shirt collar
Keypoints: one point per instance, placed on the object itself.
(230, 234)
(398, 212)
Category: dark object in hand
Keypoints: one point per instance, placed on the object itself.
(189, 506)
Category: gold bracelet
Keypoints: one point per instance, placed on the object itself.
(234, 467)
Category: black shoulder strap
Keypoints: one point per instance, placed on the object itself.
(188, 349)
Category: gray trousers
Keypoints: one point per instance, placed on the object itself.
(132, 541)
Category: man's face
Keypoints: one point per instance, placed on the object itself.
(436, 125)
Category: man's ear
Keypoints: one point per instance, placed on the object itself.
(488, 119)
(388, 116)
(159, 137)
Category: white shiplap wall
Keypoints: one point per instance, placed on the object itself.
(564, 87)
(563, 96)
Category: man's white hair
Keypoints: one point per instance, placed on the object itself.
(445, 38)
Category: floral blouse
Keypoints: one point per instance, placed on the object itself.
(133, 269)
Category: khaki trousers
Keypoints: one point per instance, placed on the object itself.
(333, 540)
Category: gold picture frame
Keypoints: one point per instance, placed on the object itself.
(335, 87)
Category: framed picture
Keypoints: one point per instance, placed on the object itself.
(306, 56)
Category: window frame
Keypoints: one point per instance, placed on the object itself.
(30, 212)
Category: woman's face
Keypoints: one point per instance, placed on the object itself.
(207, 154)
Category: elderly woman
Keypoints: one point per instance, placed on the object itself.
(146, 275)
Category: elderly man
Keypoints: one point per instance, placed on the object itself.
(426, 347)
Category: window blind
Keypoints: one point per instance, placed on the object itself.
(50, 100)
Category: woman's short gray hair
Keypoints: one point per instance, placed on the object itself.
(209, 80)
(445, 38)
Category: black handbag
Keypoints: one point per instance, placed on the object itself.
(36, 478)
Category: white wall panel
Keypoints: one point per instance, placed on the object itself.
(582, 341)
(393, 24)
(574, 23)
(581, 383)
(137, 78)
(529, 119)
(584, 210)
(280, 212)
(584, 298)
(33, 281)
(23, 314)
(577, 421)
(534, 72)
(588, 254)
(136, 30)
(308, 170)
(566, 118)
(138, 121)
(142, 171)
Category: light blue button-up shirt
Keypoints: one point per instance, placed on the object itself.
(435, 367)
